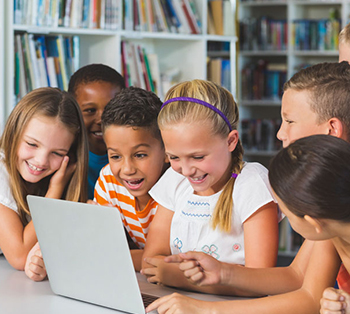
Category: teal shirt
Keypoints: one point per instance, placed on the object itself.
(96, 163)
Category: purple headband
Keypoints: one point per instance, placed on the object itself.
(201, 102)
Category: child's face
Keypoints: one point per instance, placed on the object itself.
(44, 143)
(136, 159)
(300, 224)
(298, 120)
(344, 52)
(92, 99)
(203, 158)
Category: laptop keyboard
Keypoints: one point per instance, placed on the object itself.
(148, 299)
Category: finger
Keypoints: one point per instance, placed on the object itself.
(336, 306)
(153, 261)
(153, 279)
(64, 164)
(154, 305)
(197, 278)
(36, 260)
(332, 294)
(173, 259)
(91, 202)
(151, 271)
(38, 253)
(190, 264)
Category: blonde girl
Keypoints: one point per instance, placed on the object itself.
(43, 152)
(210, 200)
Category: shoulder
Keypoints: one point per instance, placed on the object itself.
(6, 197)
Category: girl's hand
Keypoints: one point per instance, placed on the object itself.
(60, 179)
(179, 304)
(35, 267)
(199, 268)
(335, 301)
(154, 272)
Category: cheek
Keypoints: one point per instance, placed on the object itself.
(55, 162)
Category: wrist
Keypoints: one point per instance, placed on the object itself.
(228, 273)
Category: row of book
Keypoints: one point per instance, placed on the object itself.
(311, 34)
(141, 69)
(219, 72)
(221, 17)
(104, 14)
(44, 61)
(263, 80)
(173, 16)
(263, 33)
(260, 134)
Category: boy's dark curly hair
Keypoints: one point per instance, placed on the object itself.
(133, 107)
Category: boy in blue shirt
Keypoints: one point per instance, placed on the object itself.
(93, 86)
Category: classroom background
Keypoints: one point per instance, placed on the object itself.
(251, 47)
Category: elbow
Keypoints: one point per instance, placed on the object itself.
(17, 262)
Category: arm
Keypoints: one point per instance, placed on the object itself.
(320, 273)
(158, 237)
(15, 239)
(261, 239)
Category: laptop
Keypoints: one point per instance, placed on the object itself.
(86, 253)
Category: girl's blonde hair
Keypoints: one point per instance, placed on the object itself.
(48, 102)
(186, 111)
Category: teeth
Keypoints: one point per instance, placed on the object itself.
(35, 168)
(135, 182)
(98, 133)
(198, 178)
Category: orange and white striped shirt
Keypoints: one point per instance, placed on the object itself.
(109, 191)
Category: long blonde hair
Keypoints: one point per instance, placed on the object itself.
(185, 111)
(49, 102)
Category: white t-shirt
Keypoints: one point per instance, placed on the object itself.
(6, 197)
(191, 224)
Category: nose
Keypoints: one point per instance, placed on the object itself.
(186, 169)
(41, 158)
(281, 134)
(128, 167)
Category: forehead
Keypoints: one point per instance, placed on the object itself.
(296, 102)
(344, 51)
(96, 89)
(125, 136)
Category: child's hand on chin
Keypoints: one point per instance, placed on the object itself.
(335, 301)
(35, 267)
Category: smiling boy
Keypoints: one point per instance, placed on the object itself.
(136, 161)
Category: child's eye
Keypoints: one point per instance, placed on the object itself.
(90, 111)
(289, 121)
(140, 155)
(173, 157)
(198, 157)
(31, 144)
(114, 157)
(58, 154)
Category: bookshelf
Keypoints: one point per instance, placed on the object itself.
(277, 38)
(180, 55)
(273, 46)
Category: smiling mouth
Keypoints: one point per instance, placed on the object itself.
(134, 183)
(198, 179)
(98, 134)
(34, 168)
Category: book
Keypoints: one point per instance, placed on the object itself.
(216, 8)
(192, 21)
(52, 51)
(184, 26)
(62, 61)
(155, 74)
(228, 19)
(20, 69)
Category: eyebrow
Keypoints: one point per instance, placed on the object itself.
(135, 147)
(28, 137)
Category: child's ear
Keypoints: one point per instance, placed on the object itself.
(335, 127)
(166, 159)
(232, 140)
(314, 223)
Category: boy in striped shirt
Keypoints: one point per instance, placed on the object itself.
(136, 161)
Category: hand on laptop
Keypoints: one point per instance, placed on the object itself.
(35, 267)
(199, 268)
(177, 303)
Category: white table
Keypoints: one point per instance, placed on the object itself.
(20, 295)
